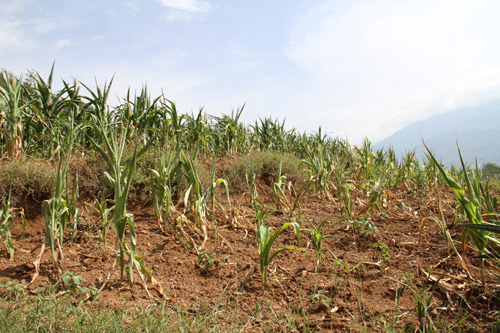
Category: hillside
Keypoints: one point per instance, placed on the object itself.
(477, 130)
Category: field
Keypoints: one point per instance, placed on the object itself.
(139, 218)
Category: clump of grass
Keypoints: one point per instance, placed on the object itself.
(26, 181)
(90, 172)
(51, 312)
(265, 165)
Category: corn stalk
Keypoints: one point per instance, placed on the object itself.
(12, 108)
(110, 143)
(470, 205)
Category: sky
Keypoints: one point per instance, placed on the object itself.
(357, 68)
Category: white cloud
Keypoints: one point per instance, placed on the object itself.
(131, 6)
(382, 64)
(243, 58)
(63, 43)
(14, 36)
(44, 25)
(178, 15)
(191, 6)
(184, 10)
(97, 37)
(13, 31)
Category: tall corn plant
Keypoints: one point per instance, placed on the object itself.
(142, 112)
(174, 126)
(196, 131)
(269, 134)
(229, 135)
(110, 142)
(56, 211)
(56, 214)
(12, 108)
(50, 112)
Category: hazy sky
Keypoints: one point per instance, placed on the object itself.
(356, 68)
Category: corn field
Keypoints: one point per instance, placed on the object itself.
(199, 186)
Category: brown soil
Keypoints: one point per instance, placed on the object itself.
(356, 288)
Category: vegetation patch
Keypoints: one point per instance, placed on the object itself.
(265, 165)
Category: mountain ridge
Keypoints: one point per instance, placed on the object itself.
(476, 129)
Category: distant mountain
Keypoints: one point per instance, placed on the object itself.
(477, 130)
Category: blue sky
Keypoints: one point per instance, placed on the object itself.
(356, 68)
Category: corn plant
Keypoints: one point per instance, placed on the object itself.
(476, 230)
(8, 216)
(197, 131)
(317, 235)
(175, 124)
(343, 189)
(210, 192)
(491, 202)
(376, 196)
(265, 236)
(364, 157)
(487, 227)
(321, 169)
(471, 205)
(269, 134)
(58, 210)
(280, 198)
(50, 111)
(161, 190)
(196, 196)
(110, 143)
(229, 135)
(56, 214)
(141, 112)
(12, 109)
(105, 213)
(252, 186)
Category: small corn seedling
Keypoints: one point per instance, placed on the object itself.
(280, 198)
(265, 236)
(210, 192)
(252, 187)
(105, 213)
(8, 216)
(317, 235)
